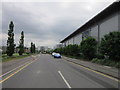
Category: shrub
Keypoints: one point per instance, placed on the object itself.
(106, 62)
(73, 50)
(88, 47)
(70, 50)
(110, 45)
(99, 56)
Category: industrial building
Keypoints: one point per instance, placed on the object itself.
(106, 21)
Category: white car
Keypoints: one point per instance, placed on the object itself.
(57, 55)
(53, 53)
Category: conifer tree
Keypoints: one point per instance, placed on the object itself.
(21, 44)
(31, 48)
(10, 41)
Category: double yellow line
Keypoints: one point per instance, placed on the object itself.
(15, 72)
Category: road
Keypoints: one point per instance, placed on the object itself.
(47, 72)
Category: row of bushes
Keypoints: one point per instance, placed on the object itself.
(89, 48)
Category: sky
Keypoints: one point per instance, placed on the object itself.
(47, 23)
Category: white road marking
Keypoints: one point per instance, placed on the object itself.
(64, 79)
(13, 69)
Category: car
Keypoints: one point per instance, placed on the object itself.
(53, 53)
(57, 55)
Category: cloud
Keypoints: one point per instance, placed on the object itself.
(46, 23)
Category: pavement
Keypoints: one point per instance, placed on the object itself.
(112, 71)
(48, 72)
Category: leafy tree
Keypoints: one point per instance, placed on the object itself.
(110, 45)
(88, 47)
(21, 44)
(73, 50)
(10, 41)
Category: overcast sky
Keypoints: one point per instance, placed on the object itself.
(47, 23)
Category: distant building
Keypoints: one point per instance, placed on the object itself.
(58, 46)
(43, 49)
(106, 21)
(26, 50)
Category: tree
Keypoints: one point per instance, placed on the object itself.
(21, 44)
(110, 45)
(88, 47)
(10, 41)
(31, 48)
(34, 48)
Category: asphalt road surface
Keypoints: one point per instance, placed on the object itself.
(49, 72)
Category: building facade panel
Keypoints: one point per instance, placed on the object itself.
(94, 32)
(119, 21)
(67, 43)
(103, 23)
(71, 41)
(108, 25)
(86, 33)
(78, 39)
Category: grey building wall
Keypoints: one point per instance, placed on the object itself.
(94, 32)
(67, 43)
(71, 41)
(108, 25)
(78, 38)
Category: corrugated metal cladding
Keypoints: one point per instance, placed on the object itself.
(103, 23)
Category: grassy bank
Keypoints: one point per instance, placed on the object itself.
(105, 62)
(15, 56)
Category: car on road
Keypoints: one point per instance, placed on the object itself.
(57, 55)
(53, 53)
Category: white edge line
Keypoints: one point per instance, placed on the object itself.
(64, 79)
(14, 69)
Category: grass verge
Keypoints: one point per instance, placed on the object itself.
(15, 56)
(105, 62)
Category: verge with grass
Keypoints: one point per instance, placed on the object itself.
(106, 62)
(15, 56)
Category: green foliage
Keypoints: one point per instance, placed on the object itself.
(15, 56)
(106, 62)
(32, 48)
(88, 47)
(100, 56)
(21, 44)
(110, 45)
(72, 50)
(10, 41)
